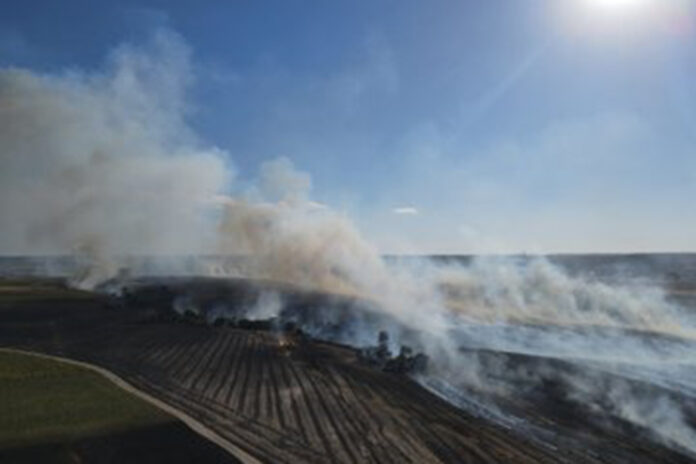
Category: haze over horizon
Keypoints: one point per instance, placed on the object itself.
(437, 128)
(223, 192)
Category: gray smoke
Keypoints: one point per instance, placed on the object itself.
(103, 166)
(606, 337)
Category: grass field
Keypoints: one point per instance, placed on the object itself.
(55, 412)
(46, 401)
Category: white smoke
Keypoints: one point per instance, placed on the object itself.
(103, 165)
(526, 307)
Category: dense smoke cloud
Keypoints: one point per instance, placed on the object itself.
(605, 337)
(103, 165)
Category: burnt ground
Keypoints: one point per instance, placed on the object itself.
(311, 403)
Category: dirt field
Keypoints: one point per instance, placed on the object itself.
(313, 403)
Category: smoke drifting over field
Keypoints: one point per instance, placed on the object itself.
(103, 165)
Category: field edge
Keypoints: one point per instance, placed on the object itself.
(193, 424)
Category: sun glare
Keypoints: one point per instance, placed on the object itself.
(616, 21)
(616, 4)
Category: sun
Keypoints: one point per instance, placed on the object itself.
(616, 4)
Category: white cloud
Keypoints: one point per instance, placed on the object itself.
(406, 211)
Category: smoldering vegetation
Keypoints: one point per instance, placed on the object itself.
(286, 397)
(103, 167)
(564, 379)
(278, 396)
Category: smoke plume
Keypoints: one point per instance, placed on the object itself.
(103, 166)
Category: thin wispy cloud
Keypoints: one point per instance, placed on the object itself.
(406, 211)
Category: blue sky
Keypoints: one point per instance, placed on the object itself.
(440, 126)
